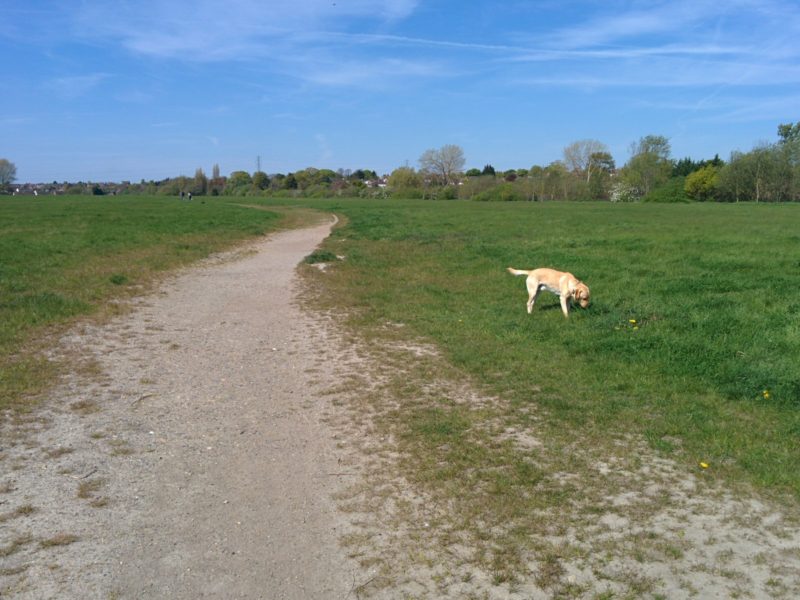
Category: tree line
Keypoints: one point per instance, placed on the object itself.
(770, 172)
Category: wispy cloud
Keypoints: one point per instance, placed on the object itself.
(75, 86)
(205, 30)
(684, 43)
(375, 74)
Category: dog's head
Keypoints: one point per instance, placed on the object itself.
(581, 294)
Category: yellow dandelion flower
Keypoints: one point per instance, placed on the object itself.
(632, 321)
(704, 465)
(766, 394)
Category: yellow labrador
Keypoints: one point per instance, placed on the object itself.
(566, 285)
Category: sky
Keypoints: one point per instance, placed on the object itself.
(104, 90)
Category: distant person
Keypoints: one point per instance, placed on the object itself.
(190, 196)
(181, 195)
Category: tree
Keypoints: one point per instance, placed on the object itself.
(685, 166)
(788, 132)
(215, 172)
(602, 169)
(557, 181)
(8, 172)
(404, 178)
(445, 164)
(650, 164)
(289, 182)
(238, 183)
(702, 184)
(260, 180)
(578, 157)
(764, 174)
(199, 186)
(488, 170)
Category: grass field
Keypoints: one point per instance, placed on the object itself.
(692, 340)
(64, 257)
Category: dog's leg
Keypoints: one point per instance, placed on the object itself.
(533, 293)
(565, 305)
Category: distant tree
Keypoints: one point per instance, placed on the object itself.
(701, 185)
(475, 186)
(789, 148)
(556, 181)
(290, 182)
(238, 183)
(473, 172)
(686, 166)
(199, 186)
(789, 132)
(277, 181)
(403, 179)
(649, 165)
(765, 174)
(673, 190)
(488, 170)
(363, 174)
(325, 176)
(260, 180)
(602, 168)
(239, 178)
(215, 172)
(602, 162)
(8, 172)
(445, 164)
(536, 183)
(313, 177)
(578, 157)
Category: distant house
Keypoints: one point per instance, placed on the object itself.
(380, 182)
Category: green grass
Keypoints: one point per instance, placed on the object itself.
(64, 257)
(712, 290)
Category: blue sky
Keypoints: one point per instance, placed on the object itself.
(123, 90)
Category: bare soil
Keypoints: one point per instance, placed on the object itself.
(219, 441)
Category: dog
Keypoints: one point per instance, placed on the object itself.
(566, 285)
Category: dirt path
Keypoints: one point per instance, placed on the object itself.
(198, 465)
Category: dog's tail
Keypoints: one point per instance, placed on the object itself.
(514, 271)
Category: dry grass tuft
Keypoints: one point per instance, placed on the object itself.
(84, 407)
(87, 489)
(15, 545)
(58, 452)
(20, 511)
(60, 539)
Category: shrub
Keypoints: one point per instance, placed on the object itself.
(448, 192)
(622, 191)
(407, 193)
(505, 192)
(702, 184)
(671, 191)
